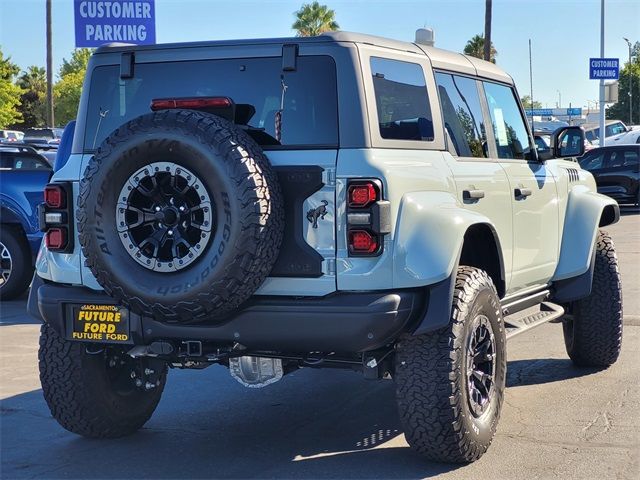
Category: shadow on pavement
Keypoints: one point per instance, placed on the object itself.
(545, 370)
(14, 312)
(313, 424)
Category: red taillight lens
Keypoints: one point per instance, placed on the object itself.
(54, 196)
(190, 103)
(361, 195)
(361, 241)
(56, 238)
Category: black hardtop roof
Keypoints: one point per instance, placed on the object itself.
(328, 37)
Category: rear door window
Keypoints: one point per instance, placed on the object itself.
(462, 114)
(258, 86)
(402, 102)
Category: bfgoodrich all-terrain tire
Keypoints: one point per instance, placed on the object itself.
(94, 395)
(180, 216)
(450, 383)
(593, 328)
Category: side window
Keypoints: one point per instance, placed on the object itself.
(592, 161)
(510, 131)
(631, 158)
(462, 114)
(401, 100)
(614, 129)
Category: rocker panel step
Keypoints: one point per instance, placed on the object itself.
(531, 317)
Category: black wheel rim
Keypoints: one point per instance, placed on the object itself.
(164, 217)
(5, 264)
(481, 365)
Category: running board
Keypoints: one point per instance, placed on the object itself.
(531, 317)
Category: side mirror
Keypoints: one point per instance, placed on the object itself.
(568, 142)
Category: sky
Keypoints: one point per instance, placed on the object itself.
(564, 33)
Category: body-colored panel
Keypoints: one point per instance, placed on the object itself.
(584, 209)
(535, 220)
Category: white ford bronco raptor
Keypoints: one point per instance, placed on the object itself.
(340, 201)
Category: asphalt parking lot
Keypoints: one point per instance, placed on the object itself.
(558, 421)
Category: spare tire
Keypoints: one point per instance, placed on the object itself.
(180, 216)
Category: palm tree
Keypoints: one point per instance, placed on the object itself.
(313, 19)
(34, 79)
(475, 48)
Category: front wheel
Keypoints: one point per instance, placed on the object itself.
(95, 394)
(593, 328)
(450, 383)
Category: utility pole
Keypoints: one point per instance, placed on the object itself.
(487, 31)
(602, 133)
(630, 83)
(50, 116)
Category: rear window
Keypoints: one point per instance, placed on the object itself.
(401, 100)
(40, 133)
(22, 161)
(256, 85)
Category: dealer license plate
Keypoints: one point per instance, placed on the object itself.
(100, 323)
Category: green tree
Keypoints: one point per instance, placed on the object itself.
(67, 91)
(630, 73)
(313, 19)
(67, 97)
(77, 63)
(34, 99)
(526, 102)
(475, 48)
(9, 93)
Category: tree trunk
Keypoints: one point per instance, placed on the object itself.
(487, 31)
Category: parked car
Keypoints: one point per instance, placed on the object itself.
(341, 201)
(611, 128)
(23, 175)
(10, 136)
(616, 170)
(627, 138)
(43, 137)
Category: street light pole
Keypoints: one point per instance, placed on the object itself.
(50, 116)
(601, 140)
(630, 84)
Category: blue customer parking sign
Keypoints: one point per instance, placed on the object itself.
(127, 21)
(604, 68)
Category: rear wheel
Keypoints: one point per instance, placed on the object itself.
(95, 394)
(593, 328)
(450, 383)
(16, 268)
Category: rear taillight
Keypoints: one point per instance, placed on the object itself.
(368, 218)
(54, 196)
(56, 238)
(361, 241)
(362, 195)
(56, 217)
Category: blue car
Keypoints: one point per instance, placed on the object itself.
(23, 176)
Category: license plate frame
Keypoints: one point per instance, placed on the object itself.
(98, 323)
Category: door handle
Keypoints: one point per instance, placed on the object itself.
(522, 192)
(472, 194)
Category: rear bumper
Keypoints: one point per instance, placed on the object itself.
(341, 322)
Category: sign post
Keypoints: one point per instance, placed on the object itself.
(127, 21)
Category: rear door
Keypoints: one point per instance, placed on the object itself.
(481, 181)
(533, 193)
